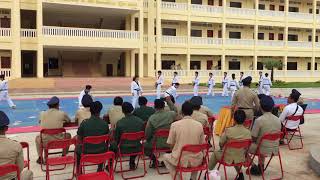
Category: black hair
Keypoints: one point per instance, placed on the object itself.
(210, 74)
(294, 97)
(159, 72)
(233, 76)
(88, 87)
(196, 107)
(239, 116)
(117, 101)
(53, 105)
(241, 72)
(225, 73)
(142, 101)
(159, 104)
(266, 74)
(187, 108)
(86, 100)
(196, 72)
(175, 72)
(96, 107)
(134, 78)
(127, 108)
(178, 84)
(3, 128)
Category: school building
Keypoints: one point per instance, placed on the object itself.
(106, 38)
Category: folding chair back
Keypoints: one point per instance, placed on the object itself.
(207, 132)
(269, 137)
(9, 168)
(211, 121)
(132, 136)
(161, 133)
(95, 140)
(289, 134)
(247, 123)
(25, 145)
(59, 144)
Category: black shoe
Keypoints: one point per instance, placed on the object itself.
(281, 142)
(255, 170)
(152, 165)
(240, 177)
(39, 161)
(132, 166)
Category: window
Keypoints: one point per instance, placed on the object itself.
(261, 36)
(196, 33)
(196, 1)
(310, 11)
(209, 64)
(236, 4)
(169, 0)
(259, 66)
(271, 36)
(195, 65)
(234, 65)
(293, 9)
(219, 34)
(309, 38)
(309, 66)
(280, 37)
(219, 65)
(235, 35)
(53, 63)
(317, 11)
(209, 33)
(262, 6)
(169, 32)
(5, 62)
(292, 37)
(167, 64)
(220, 2)
(272, 7)
(281, 8)
(210, 2)
(317, 38)
(136, 24)
(292, 66)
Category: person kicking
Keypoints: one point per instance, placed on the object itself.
(4, 93)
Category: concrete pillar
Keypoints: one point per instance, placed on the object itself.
(223, 63)
(40, 40)
(132, 63)
(314, 31)
(127, 64)
(285, 62)
(15, 30)
(255, 63)
(140, 61)
(151, 42)
(159, 35)
(189, 41)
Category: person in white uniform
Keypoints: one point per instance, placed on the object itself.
(175, 78)
(233, 85)
(136, 91)
(196, 83)
(159, 83)
(260, 91)
(4, 93)
(266, 84)
(172, 91)
(225, 82)
(211, 84)
(82, 93)
(240, 79)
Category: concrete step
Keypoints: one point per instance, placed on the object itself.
(314, 161)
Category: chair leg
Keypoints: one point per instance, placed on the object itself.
(280, 164)
(261, 167)
(225, 172)
(175, 175)
(300, 138)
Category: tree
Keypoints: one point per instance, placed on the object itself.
(271, 64)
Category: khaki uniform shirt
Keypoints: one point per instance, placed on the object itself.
(267, 123)
(205, 110)
(115, 114)
(11, 153)
(237, 132)
(183, 132)
(82, 114)
(201, 118)
(247, 99)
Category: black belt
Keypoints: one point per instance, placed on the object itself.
(168, 93)
(244, 108)
(137, 89)
(232, 85)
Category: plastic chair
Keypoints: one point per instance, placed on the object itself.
(50, 132)
(236, 144)
(268, 137)
(25, 145)
(136, 136)
(97, 159)
(162, 133)
(9, 168)
(247, 123)
(204, 148)
(58, 161)
(290, 133)
(211, 125)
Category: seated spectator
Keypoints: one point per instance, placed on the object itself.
(267, 123)
(84, 112)
(53, 118)
(300, 100)
(143, 112)
(204, 109)
(183, 132)
(197, 115)
(237, 132)
(115, 113)
(94, 126)
(11, 151)
(161, 119)
(128, 124)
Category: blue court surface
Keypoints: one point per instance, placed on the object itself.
(27, 111)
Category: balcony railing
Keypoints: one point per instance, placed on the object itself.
(5, 32)
(318, 18)
(299, 44)
(145, 4)
(6, 72)
(28, 33)
(207, 9)
(301, 16)
(317, 45)
(91, 33)
(271, 13)
(241, 11)
(271, 43)
(246, 42)
(205, 41)
(174, 6)
(174, 39)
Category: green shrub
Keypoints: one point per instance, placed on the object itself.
(279, 82)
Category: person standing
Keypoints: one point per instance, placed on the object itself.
(136, 91)
(175, 78)
(211, 84)
(225, 82)
(4, 94)
(196, 83)
(82, 93)
(240, 80)
(266, 84)
(260, 85)
(159, 83)
(233, 85)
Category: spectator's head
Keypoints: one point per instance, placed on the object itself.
(294, 96)
(266, 74)
(88, 89)
(4, 123)
(247, 81)
(266, 103)
(260, 96)
(135, 78)
(233, 76)
(2, 77)
(175, 73)
(196, 73)
(127, 108)
(117, 101)
(159, 104)
(176, 85)
(196, 102)
(210, 74)
(86, 100)
(142, 101)
(187, 108)
(239, 116)
(241, 73)
(225, 74)
(95, 108)
(53, 102)
(159, 73)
